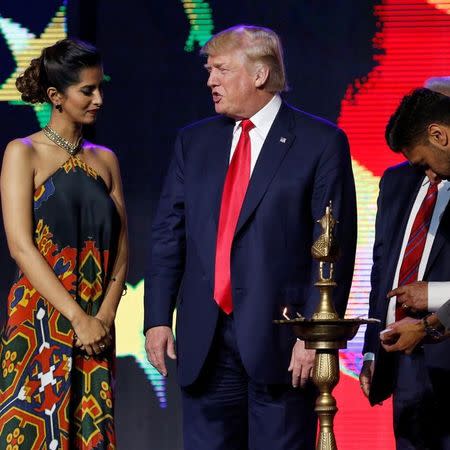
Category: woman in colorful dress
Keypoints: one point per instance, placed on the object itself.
(65, 223)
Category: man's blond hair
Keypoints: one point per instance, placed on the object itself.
(259, 44)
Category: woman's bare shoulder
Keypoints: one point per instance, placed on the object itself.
(100, 151)
(21, 148)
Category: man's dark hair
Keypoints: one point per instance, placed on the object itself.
(408, 125)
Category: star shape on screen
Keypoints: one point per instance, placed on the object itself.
(25, 46)
(199, 14)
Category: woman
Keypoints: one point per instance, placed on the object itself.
(65, 223)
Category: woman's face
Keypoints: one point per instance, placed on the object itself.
(81, 101)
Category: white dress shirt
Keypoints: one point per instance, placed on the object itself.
(262, 122)
(438, 292)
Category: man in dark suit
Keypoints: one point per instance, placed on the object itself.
(409, 275)
(232, 240)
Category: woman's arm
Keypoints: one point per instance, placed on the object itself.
(16, 186)
(114, 289)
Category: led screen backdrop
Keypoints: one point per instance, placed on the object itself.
(347, 61)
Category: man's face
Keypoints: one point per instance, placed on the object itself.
(429, 156)
(232, 84)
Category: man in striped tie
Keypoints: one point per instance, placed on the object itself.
(409, 276)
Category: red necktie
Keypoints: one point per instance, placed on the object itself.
(234, 190)
(416, 243)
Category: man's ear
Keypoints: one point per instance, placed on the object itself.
(438, 134)
(54, 96)
(261, 75)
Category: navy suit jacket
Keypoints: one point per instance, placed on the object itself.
(304, 163)
(398, 190)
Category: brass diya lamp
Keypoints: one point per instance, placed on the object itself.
(325, 332)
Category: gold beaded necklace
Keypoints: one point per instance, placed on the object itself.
(70, 148)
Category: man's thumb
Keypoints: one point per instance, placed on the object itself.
(171, 349)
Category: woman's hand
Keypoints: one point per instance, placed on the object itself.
(92, 335)
(106, 317)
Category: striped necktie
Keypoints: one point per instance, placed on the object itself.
(416, 243)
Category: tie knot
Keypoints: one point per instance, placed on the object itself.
(433, 187)
(247, 125)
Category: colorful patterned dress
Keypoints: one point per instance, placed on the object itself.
(52, 396)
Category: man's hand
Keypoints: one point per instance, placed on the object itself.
(365, 377)
(302, 362)
(403, 336)
(413, 296)
(158, 342)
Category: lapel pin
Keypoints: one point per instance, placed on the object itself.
(283, 140)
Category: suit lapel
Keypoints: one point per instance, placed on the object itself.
(275, 147)
(218, 161)
(404, 193)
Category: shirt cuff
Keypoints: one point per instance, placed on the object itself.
(369, 356)
(438, 294)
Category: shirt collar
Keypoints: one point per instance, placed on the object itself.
(264, 118)
(444, 184)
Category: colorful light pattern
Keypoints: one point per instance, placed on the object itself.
(25, 46)
(200, 18)
(412, 46)
(130, 340)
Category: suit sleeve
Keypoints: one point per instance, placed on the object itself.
(371, 339)
(167, 255)
(334, 181)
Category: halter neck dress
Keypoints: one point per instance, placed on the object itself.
(52, 395)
